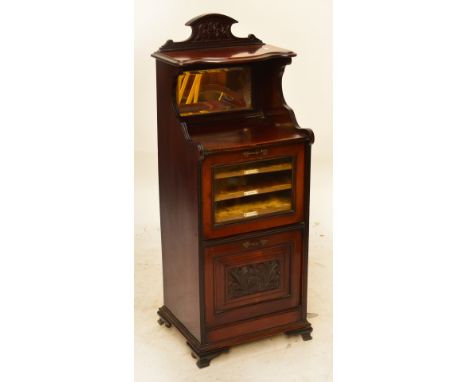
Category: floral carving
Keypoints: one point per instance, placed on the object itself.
(253, 278)
(213, 31)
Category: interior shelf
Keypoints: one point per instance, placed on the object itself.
(251, 208)
(262, 169)
(248, 190)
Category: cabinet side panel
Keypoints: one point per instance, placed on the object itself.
(178, 196)
(305, 254)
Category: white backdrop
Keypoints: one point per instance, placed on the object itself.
(304, 27)
(400, 129)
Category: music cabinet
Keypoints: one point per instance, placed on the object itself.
(234, 190)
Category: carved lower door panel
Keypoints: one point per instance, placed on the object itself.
(252, 277)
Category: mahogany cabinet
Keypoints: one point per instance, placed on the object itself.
(234, 190)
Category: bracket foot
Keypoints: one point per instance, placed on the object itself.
(304, 332)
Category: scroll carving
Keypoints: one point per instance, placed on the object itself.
(253, 278)
(210, 30)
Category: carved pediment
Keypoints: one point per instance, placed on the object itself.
(210, 31)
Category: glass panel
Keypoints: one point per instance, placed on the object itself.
(252, 189)
(213, 90)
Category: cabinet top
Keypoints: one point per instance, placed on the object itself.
(212, 42)
(238, 54)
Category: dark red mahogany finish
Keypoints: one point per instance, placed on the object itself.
(229, 283)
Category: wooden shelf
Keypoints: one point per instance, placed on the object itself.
(252, 209)
(252, 134)
(254, 170)
(246, 191)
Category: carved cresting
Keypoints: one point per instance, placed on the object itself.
(253, 278)
(210, 30)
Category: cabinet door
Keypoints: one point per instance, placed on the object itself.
(252, 277)
(252, 190)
